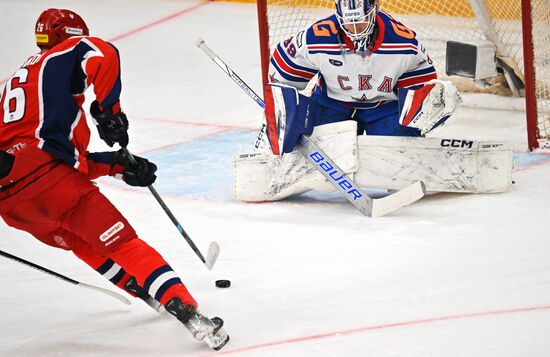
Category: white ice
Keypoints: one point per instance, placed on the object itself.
(451, 275)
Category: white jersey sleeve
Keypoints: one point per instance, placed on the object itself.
(289, 63)
(420, 70)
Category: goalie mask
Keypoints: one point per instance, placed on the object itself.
(56, 25)
(357, 19)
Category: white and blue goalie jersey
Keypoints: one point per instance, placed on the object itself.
(349, 78)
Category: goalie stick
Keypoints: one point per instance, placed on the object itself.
(371, 207)
(213, 249)
(64, 278)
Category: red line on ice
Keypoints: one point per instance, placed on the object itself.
(157, 22)
(535, 164)
(193, 123)
(166, 146)
(147, 26)
(380, 327)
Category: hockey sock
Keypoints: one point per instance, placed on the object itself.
(104, 266)
(151, 271)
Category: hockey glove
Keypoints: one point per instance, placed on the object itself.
(288, 115)
(141, 174)
(6, 163)
(112, 128)
(428, 107)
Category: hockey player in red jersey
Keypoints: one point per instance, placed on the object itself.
(45, 168)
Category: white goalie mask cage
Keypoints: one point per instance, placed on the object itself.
(351, 13)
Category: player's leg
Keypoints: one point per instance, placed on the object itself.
(89, 215)
(36, 203)
(95, 219)
(109, 269)
(25, 215)
(384, 120)
(326, 114)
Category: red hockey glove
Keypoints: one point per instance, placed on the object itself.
(112, 128)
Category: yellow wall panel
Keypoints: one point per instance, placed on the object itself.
(499, 9)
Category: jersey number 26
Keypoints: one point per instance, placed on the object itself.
(14, 99)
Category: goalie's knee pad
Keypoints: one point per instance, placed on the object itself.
(261, 176)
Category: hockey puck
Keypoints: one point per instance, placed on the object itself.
(223, 283)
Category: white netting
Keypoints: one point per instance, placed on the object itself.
(437, 21)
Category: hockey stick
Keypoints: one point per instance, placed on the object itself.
(202, 45)
(213, 249)
(371, 207)
(65, 278)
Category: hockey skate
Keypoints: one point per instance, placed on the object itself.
(201, 327)
(135, 289)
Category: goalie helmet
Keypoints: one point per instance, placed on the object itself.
(56, 25)
(357, 19)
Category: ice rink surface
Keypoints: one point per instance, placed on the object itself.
(451, 275)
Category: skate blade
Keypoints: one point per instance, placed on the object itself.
(217, 341)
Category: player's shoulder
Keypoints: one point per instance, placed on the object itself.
(94, 43)
(395, 31)
(323, 35)
(393, 37)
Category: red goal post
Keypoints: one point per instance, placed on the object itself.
(519, 28)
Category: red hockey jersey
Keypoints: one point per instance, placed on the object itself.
(41, 105)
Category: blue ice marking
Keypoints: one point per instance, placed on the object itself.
(202, 168)
(524, 159)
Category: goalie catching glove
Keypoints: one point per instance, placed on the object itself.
(288, 115)
(428, 107)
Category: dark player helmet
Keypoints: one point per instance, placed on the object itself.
(56, 25)
(360, 15)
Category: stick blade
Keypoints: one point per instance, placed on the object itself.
(401, 198)
(212, 255)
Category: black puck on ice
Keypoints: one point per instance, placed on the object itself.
(223, 283)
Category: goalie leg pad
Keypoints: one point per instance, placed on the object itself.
(445, 165)
(262, 176)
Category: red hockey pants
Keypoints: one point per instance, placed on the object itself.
(63, 208)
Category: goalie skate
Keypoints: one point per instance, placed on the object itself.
(201, 327)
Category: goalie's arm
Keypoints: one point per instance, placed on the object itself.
(289, 63)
